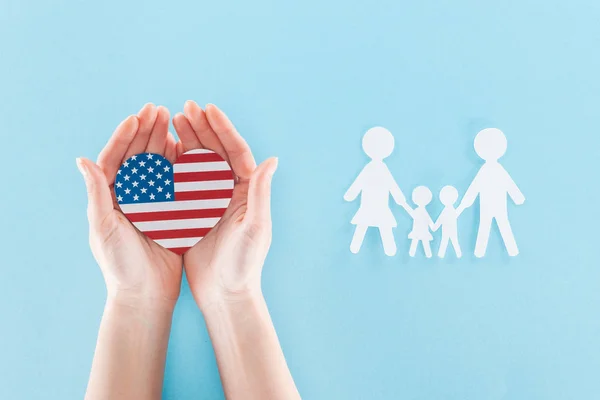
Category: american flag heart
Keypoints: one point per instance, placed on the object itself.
(175, 205)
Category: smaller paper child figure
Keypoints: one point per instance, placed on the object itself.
(448, 221)
(421, 196)
(375, 183)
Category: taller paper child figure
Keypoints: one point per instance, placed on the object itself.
(375, 183)
(492, 184)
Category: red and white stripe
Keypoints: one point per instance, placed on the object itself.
(203, 188)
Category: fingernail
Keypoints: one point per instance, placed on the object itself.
(82, 168)
(274, 167)
(189, 105)
(147, 105)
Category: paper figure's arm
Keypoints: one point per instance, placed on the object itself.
(397, 194)
(513, 190)
(471, 194)
(354, 189)
(408, 209)
(436, 225)
(431, 224)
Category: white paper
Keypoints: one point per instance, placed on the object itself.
(375, 184)
(492, 184)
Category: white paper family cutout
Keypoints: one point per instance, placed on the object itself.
(375, 184)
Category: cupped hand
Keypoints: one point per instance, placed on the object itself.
(136, 270)
(228, 261)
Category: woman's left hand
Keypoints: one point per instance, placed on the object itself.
(137, 271)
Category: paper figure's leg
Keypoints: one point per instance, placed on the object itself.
(485, 225)
(456, 246)
(443, 247)
(413, 247)
(427, 248)
(507, 236)
(387, 238)
(357, 239)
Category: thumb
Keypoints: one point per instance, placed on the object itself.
(99, 198)
(259, 191)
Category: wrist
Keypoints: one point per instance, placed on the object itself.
(224, 300)
(145, 305)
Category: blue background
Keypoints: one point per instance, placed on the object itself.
(304, 81)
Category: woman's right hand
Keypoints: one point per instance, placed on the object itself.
(227, 263)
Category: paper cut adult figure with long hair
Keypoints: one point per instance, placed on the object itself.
(422, 222)
(492, 184)
(375, 183)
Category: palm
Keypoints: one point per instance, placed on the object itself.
(137, 262)
(144, 262)
(221, 257)
(226, 240)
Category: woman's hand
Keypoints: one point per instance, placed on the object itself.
(137, 271)
(224, 268)
(227, 262)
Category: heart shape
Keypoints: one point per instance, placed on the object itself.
(175, 205)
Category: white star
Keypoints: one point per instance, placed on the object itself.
(142, 176)
(158, 162)
(168, 195)
(142, 163)
(126, 164)
(166, 168)
(126, 177)
(119, 184)
(149, 156)
(136, 197)
(151, 196)
(151, 183)
(127, 191)
(135, 184)
(134, 157)
(134, 170)
(119, 172)
(119, 198)
(150, 169)
(143, 190)
(159, 175)
(159, 189)
(167, 181)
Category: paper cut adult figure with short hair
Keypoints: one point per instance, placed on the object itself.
(448, 221)
(422, 222)
(375, 183)
(492, 184)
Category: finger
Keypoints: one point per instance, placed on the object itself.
(179, 149)
(158, 136)
(147, 117)
(186, 133)
(171, 148)
(112, 155)
(100, 202)
(205, 133)
(239, 154)
(259, 192)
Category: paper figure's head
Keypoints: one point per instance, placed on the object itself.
(378, 143)
(490, 144)
(421, 196)
(448, 195)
